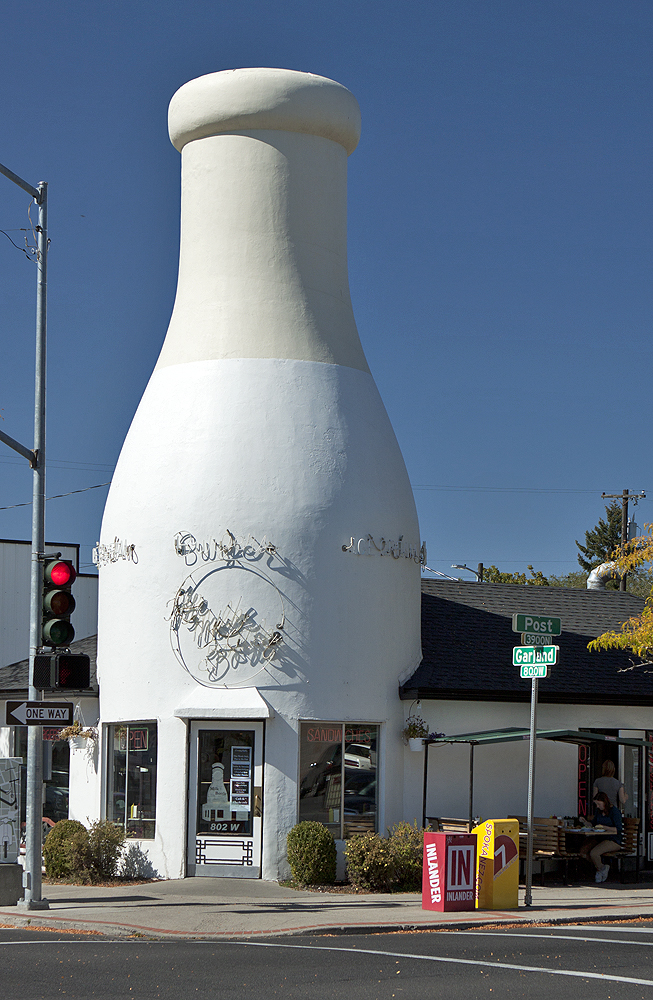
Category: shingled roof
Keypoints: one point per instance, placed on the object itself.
(467, 642)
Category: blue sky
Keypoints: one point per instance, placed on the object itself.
(500, 243)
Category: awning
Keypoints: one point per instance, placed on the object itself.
(223, 703)
(513, 734)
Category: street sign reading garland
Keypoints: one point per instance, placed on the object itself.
(534, 661)
(533, 655)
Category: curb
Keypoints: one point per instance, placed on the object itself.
(109, 928)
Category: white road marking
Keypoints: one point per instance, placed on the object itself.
(456, 961)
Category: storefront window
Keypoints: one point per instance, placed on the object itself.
(56, 758)
(131, 785)
(337, 769)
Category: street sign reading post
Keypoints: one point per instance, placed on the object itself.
(39, 713)
(536, 623)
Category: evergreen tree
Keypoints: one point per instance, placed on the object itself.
(603, 540)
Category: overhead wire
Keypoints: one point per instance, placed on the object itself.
(57, 496)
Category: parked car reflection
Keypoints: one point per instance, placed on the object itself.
(357, 756)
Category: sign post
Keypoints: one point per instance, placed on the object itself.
(533, 659)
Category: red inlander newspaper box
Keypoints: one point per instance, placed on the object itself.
(449, 871)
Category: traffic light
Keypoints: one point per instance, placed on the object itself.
(62, 671)
(58, 602)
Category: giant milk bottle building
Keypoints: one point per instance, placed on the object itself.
(260, 540)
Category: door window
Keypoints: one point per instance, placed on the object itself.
(225, 780)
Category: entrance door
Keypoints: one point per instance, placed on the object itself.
(225, 799)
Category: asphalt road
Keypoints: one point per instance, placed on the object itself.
(607, 962)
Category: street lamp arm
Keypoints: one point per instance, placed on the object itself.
(20, 448)
(469, 570)
(25, 185)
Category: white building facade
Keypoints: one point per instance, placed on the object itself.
(260, 545)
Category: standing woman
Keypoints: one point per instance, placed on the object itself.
(612, 787)
(607, 819)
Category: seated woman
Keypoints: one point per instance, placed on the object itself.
(608, 818)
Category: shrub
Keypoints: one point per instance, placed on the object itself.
(312, 854)
(80, 855)
(407, 846)
(63, 846)
(105, 844)
(370, 863)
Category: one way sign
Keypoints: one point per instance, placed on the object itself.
(39, 713)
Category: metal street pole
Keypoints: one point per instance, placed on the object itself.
(34, 806)
(528, 899)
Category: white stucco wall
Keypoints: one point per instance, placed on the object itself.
(261, 420)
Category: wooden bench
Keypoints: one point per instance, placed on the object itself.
(364, 824)
(546, 840)
(629, 846)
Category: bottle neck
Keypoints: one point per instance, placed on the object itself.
(263, 256)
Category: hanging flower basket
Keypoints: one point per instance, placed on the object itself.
(78, 736)
(415, 743)
(414, 729)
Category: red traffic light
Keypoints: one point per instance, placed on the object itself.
(60, 573)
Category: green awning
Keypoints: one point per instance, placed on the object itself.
(512, 735)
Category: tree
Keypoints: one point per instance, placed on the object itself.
(493, 575)
(577, 578)
(636, 634)
(602, 541)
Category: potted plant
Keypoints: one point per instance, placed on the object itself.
(415, 732)
(80, 737)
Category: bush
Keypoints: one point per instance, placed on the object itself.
(312, 854)
(80, 855)
(64, 844)
(105, 844)
(407, 847)
(370, 863)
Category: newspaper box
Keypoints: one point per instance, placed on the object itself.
(497, 864)
(449, 871)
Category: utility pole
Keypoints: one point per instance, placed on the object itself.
(624, 496)
(36, 458)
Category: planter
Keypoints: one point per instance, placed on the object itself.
(415, 743)
(77, 742)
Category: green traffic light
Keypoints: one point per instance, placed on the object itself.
(58, 632)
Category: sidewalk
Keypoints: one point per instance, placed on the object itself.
(240, 908)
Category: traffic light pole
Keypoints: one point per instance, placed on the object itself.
(36, 457)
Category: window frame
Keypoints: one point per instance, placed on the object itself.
(376, 737)
(109, 812)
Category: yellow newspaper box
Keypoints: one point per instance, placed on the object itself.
(497, 864)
